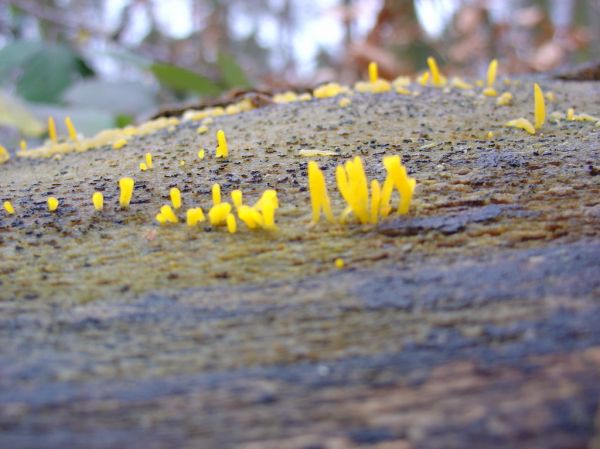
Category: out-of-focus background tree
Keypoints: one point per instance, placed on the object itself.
(108, 62)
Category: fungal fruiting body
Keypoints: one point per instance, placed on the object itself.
(423, 79)
(319, 197)
(231, 223)
(237, 198)
(98, 201)
(8, 207)
(167, 212)
(201, 154)
(437, 79)
(504, 99)
(71, 129)
(344, 102)
(571, 116)
(222, 149)
(52, 204)
(330, 90)
(353, 186)
(52, 130)
(126, 187)
(491, 73)
(459, 83)
(266, 205)
(143, 166)
(373, 72)
(216, 194)
(521, 123)
(397, 177)
(202, 129)
(4, 155)
(339, 263)
(149, 161)
(539, 106)
(217, 214)
(175, 195)
(23, 145)
(120, 143)
(194, 216)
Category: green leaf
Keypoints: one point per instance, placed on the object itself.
(15, 54)
(180, 79)
(47, 74)
(233, 75)
(15, 114)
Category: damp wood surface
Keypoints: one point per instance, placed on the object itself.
(470, 322)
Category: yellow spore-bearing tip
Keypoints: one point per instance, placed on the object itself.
(119, 143)
(571, 116)
(194, 216)
(98, 201)
(71, 129)
(52, 204)
(339, 263)
(143, 166)
(330, 90)
(167, 212)
(459, 83)
(202, 129)
(231, 223)
(344, 102)
(237, 198)
(23, 145)
(52, 130)
(437, 79)
(490, 92)
(217, 215)
(149, 162)
(4, 155)
(267, 205)
(373, 72)
(539, 106)
(222, 148)
(491, 72)
(319, 196)
(175, 195)
(423, 79)
(489, 135)
(126, 191)
(216, 194)
(521, 123)
(505, 99)
(397, 177)
(8, 207)
(201, 154)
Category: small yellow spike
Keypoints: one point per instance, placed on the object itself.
(71, 129)
(318, 194)
(167, 212)
(126, 186)
(521, 123)
(436, 77)
(236, 198)
(424, 78)
(194, 216)
(375, 201)
(201, 154)
(143, 166)
(98, 201)
(339, 263)
(52, 204)
(52, 130)
(491, 73)
(119, 143)
(161, 219)
(218, 214)
(373, 72)
(405, 184)
(386, 196)
(23, 145)
(539, 106)
(505, 99)
(222, 148)
(231, 223)
(4, 155)
(216, 194)
(175, 195)
(149, 161)
(8, 207)
(248, 216)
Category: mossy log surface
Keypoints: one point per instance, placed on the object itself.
(472, 322)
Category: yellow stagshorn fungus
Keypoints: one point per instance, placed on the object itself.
(353, 186)
(344, 102)
(216, 194)
(319, 197)
(266, 205)
(148, 161)
(118, 144)
(98, 201)
(504, 99)
(397, 177)
(4, 155)
(231, 223)
(71, 129)
(237, 198)
(330, 90)
(23, 145)
(539, 106)
(52, 204)
(572, 117)
(167, 212)
(315, 153)
(491, 73)
(194, 216)
(52, 130)
(373, 72)
(175, 195)
(217, 214)
(339, 263)
(126, 186)
(201, 153)
(222, 148)
(437, 79)
(521, 123)
(8, 207)
(143, 166)
(423, 79)
(459, 83)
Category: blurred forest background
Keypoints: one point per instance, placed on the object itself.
(108, 63)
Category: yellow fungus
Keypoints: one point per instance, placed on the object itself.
(236, 198)
(182, 163)
(504, 99)
(491, 72)
(339, 263)
(353, 186)
(175, 195)
(201, 154)
(194, 216)
(143, 166)
(318, 194)
(250, 216)
(490, 135)
(437, 79)
(405, 185)
(231, 223)
(71, 129)
(305, 97)
(216, 194)
(118, 144)
(344, 102)
(375, 201)
(423, 79)
(52, 130)
(521, 123)
(402, 90)
(218, 214)
(161, 219)
(126, 186)
(539, 106)
(202, 129)
(149, 161)
(98, 201)
(570, 114)
(490, 92)
(267, 204)
(222, 149)
(376, 87)
(401, 81)
(373, 72)
(23, 145)
(4, 155)
(52, 204)
(460, 84)
(314, 153)
(167, 212)
(330, 90)
(8, 207)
